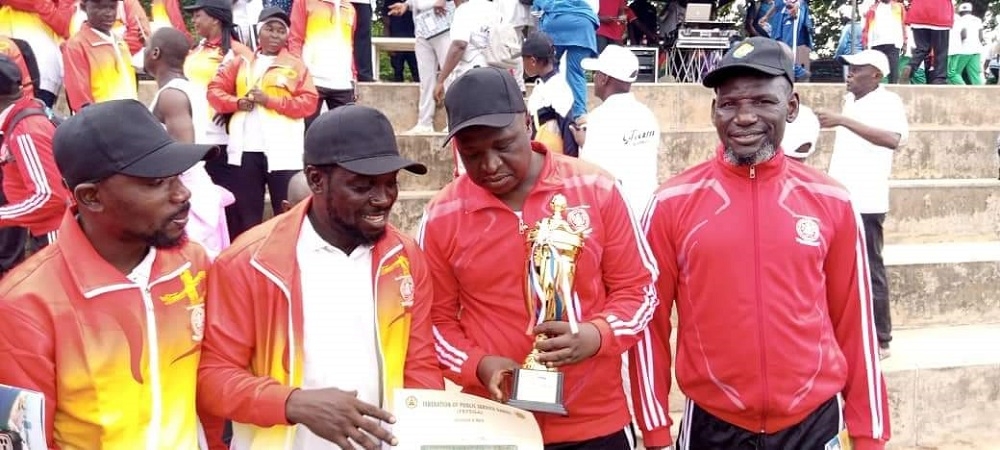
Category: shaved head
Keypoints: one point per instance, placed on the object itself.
(298, 190)
(173, 46)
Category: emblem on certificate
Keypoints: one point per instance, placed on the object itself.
(553, 247)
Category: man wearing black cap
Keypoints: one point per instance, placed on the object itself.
(34, 197)
(765, 260)
(295, 303)
(474, 235)
(114, 310)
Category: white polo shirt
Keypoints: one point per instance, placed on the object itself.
(862, 167)
(623, 137)
(471, 24)
(338, 310)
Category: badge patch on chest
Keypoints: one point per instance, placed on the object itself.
(406, 290)
(197, 321)
(578, 219)
(807, 231)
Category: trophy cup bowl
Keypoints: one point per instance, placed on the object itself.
(554, 246)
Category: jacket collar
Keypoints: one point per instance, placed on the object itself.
(763, 171)
(550, 178)
(91, 273)
(284, 58)
(93, 37)
(277, 253)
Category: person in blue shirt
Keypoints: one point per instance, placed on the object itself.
(567, 22)
(792, 24)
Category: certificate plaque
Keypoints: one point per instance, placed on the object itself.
(450, 420)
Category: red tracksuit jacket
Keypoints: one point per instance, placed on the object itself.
(768, 270)
(475, 247)
(36, 195)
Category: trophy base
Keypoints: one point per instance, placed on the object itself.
(538, 391)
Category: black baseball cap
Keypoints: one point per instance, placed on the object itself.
(120, 137)
(202, 4)
(538, 45)
(357, 138)
(272, 13)
(755, 54)
(11, 77)
(486, 96)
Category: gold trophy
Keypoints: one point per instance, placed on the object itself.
(554, 246)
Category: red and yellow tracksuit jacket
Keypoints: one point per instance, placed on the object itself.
(55, 16)
(322, 34)
(168, 13)
(97, 70)
(36, 196)
(117, 362)
(131, 25)
(291, 98)
(476, 247)
(767, 267)
(898, 11)
(253, 357)
(10, 49)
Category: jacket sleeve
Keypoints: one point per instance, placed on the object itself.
(297, 32)
(226, 387)
(650, 358)
(28, 352)
(60, 16)
(136, 27)
(222, 89)
(33, 157)
(628, 270)
(76, 76)
(458, 355)
(422, 370)
(848, 290)
(173, 8)
(303, 101)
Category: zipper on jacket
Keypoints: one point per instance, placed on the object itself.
(156, 416)
(760, 298)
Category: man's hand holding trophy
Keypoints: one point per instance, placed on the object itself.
(553, 248)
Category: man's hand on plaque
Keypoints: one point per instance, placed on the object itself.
(563, 347)
(337, 416)
(492, 372)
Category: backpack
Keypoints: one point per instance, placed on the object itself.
(504, 47)
(41, 110)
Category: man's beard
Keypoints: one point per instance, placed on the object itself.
(764, 153)
(160, 241)
(355, 233)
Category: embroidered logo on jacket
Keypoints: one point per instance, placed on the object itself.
(196, 304)
(406, 286)
(807, 231)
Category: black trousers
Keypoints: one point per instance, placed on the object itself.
(363, 41)
(891, 52)
(927, 40)
(703, 431)
(880, 285)
(621, 440)
(400, 60)
(333, 98)
(248, 182)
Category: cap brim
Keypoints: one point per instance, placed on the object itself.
(500, 120)
(590, 64)
(172, 159)
(193, 7)
(380, 165)
(718, 76)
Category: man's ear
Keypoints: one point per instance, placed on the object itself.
(793, 107)
(87, 196)
(315, 178)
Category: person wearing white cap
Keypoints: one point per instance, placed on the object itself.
(872, 125)
(622, 135)
(965, 55)
(801, 134)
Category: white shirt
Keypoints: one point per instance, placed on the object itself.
(338, 310)
(254, 127)
(862, 167)
(887, 30)
(140, 273)
(198, 99)
(471, 24)
(972, 26)
(554, 92)
(245, 15)
(623, 137)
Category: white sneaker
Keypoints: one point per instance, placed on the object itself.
(420, 129)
